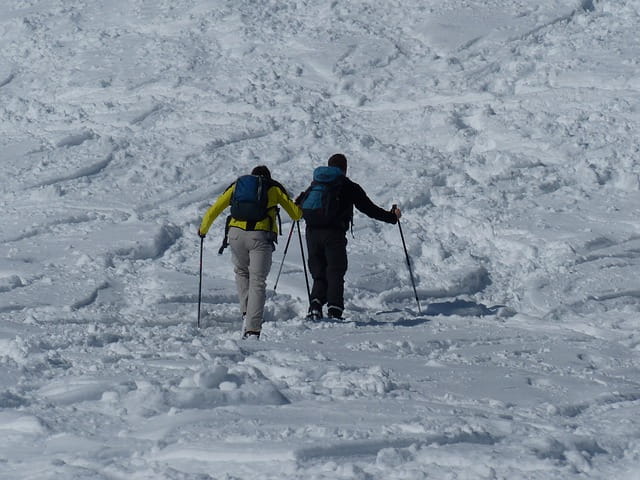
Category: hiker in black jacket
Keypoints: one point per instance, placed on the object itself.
(327, 240)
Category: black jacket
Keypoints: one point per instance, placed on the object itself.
(352, 195)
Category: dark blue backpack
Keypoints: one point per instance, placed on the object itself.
(321, 202)
(250, 198)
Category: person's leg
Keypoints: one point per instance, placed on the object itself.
(317, 266)
(260, 253)
(336, 254)
(240, 258)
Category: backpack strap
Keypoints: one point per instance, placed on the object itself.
(225, 239)
(251, 226)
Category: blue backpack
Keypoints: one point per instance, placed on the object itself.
(321, 202)
(249, 200)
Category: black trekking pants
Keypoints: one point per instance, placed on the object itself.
(327, 264)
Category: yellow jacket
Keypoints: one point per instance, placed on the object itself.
(276, 195)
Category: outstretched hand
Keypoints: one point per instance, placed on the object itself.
(201, 235)
(396, 210)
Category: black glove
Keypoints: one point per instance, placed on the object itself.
(201, 235)
(395, 210)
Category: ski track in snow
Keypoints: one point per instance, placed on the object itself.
(504, 130)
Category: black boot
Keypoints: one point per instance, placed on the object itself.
(315, 310)
(334, 312)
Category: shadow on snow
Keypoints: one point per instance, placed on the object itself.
(411, 317)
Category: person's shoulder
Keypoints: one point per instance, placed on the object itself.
(276, 184)
(351, 185)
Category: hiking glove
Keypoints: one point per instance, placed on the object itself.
(201, 235)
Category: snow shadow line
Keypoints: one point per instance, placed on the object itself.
(361, 448)
(413, 318)
(463, 308)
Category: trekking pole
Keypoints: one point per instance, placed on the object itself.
(286, 248)
(406, 254)
(304, 262)
(200, 287)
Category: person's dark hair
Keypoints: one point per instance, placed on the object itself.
(338, 160)
(261, 170)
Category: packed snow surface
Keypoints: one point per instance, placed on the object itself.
(507, 132)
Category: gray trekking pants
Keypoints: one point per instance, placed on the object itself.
(251, 252)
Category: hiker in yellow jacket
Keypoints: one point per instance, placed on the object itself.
(253, 230)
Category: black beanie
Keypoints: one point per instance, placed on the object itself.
(261, 170)
(338, 160)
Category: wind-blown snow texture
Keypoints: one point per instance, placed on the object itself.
(507, 131)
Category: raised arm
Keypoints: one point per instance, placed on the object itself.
(294, 211)
(216, 209)
(363, 203)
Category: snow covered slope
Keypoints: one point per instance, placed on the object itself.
(505, 130)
